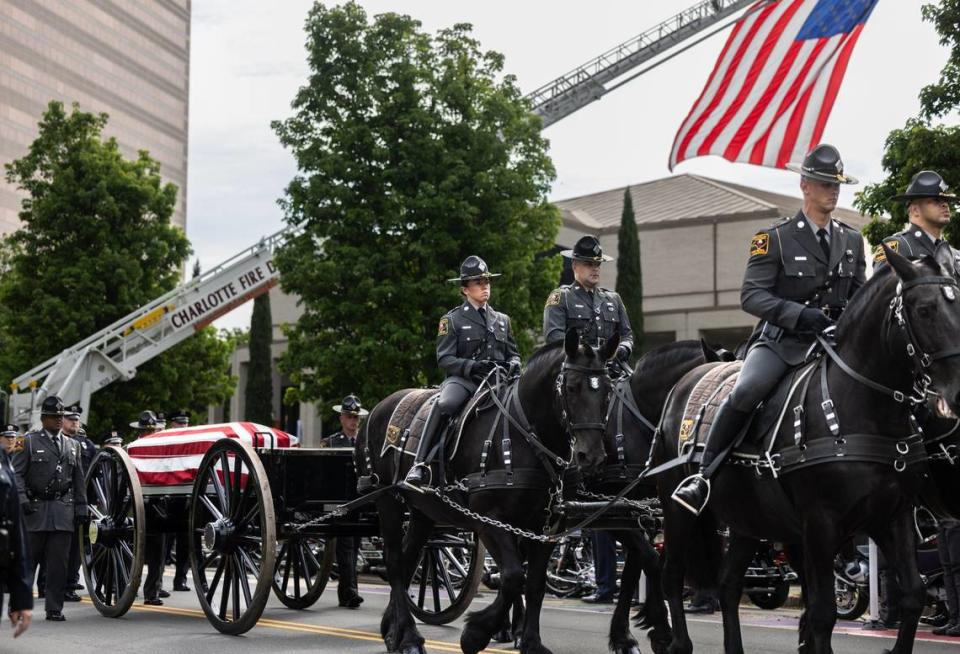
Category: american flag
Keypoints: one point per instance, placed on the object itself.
(172, 457)
(770, 94)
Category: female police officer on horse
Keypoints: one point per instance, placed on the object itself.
(471, 340)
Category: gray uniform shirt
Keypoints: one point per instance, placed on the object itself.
(915, 243)
(598, 315)
(50, 481)
(464, 337)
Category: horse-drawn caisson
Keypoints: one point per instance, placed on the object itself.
(260, 512)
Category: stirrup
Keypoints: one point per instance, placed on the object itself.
(676, 498)
(423, 486)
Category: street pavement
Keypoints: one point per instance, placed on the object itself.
(568, 627)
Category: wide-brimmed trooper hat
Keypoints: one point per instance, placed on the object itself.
(351, 406)
(473, 267)
(823, 164)
(587, 249)
(147, 421)
(926, 184)
(51, 406)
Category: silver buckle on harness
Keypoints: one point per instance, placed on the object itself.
(774, 467)
(904, 449)
(899, 396)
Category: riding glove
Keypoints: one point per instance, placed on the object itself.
(812, 320)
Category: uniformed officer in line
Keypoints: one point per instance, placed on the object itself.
(50, 484)
(801, 273)
(351, 411)
(73, 429)
(471, 340)
(928, 207)
(15, 577)
(113, 437)
(155, 552)
(599, 314)
(180, 542)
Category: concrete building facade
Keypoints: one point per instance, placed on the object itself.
(694, 241)
(130, 60)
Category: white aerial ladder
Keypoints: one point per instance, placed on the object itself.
(114, 353)
(594, 79)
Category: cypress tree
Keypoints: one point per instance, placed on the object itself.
(629, 274)
(259, 388)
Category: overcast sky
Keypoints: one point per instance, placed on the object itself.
(247, 61)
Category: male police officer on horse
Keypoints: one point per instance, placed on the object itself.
(599, 315)
(597, 312)
(928, 208)
(471, 341)
(799, 277)
(53, 497)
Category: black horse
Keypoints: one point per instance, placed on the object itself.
(631, 421)
(897, 341)
(562, 396)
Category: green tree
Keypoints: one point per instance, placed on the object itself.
(259, 387)
(95, 243)
(414, 151)
(629, 272)
(921, 144)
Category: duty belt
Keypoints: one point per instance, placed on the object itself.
(47, 496)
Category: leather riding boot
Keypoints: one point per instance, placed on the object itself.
(419, 472)
(694, 491)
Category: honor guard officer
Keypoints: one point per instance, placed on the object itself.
(147, 423)
(15, 576)
(180, 543)
(799, 277)
(471, 340)
(596, 312)
(928, 208)
(52, 493)
(179, 419)
(73, 429)
(351, 411)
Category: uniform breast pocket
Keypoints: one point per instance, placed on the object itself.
(798, 278)
(40, 457)
(467, 344)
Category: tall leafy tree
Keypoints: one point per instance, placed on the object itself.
(923, 143)
(629, 272)
(259, 387)
(95, 243)
(414, 150)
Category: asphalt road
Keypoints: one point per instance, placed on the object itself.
(569, 626)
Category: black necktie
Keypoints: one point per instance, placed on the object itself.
(483, 314)
(822, 235)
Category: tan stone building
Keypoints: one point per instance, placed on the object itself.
(694, 240)
(127, 58)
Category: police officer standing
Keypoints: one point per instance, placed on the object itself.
(14, 555)
(72, 428)
(599, 315)
(351, 411)
(800, 275)
(180, 419)
(928, 207)
(471, 340)
(53, 497)
(155, 551)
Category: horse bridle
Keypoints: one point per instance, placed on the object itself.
(595, 375)
(920, 358)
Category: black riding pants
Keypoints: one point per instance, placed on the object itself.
(452, 397)
(762, 371)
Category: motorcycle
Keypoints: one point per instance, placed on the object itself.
(767, 580)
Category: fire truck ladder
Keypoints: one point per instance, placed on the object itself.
(589, 82)
(115, 353)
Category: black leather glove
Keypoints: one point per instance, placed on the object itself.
(623, 353)
(813, 320)
(513, 368)
(28, 508)
(481, 369)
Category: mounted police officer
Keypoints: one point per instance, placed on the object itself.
(471, 340)
(88, 450)
(598, 313)
(14, 555)
(799, 277)
(52, 493)
(928, 207)
(351, 411)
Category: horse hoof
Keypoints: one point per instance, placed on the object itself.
(502, 636)
(414, 648)
(518, 642)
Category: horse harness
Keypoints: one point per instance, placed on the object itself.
(623, 400)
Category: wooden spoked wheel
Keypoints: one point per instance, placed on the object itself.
(303, 568)
(113, 541)
(447, 575)
(233, 544)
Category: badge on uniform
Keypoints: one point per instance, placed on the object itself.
(759, 244)
(554, 298)
(444, 327)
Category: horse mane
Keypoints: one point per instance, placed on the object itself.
(666, 356)
(541, 357)
(863, 300)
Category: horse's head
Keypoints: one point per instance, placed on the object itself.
(584, 389)
(927, 308)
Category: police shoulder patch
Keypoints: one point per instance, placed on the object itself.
(554, 298)
(893, 244)
(760, 244)
(18, 444)
(444, 327)
(879, 256)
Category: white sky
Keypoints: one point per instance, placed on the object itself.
(248, 59)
